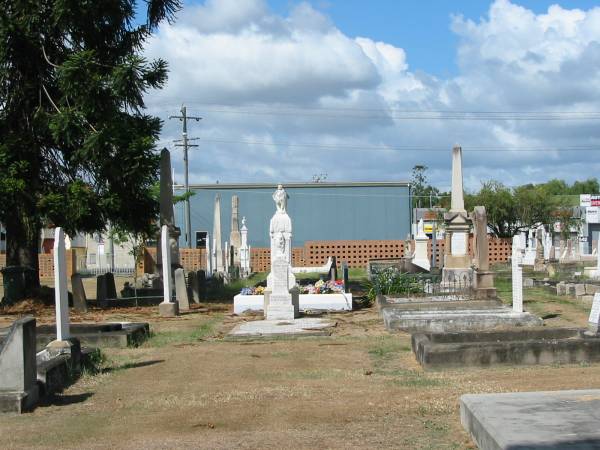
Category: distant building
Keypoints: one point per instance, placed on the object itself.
(319, 211)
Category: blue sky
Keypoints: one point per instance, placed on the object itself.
(422, 28)
(290, 89)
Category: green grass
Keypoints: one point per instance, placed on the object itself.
(386, 347)
(410, 378)
(164, 338)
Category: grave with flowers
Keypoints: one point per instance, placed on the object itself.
(322, 295)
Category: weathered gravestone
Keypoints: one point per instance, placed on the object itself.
(101, 291)
(79, 298)
(19, 391)
(194, 286)
(181, 292)
(111, 288)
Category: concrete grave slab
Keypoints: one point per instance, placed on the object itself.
(516, 346)
(101, 335)
(533, 420)
(306, 326)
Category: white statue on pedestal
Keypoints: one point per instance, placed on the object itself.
(280, 231)
(280, 228)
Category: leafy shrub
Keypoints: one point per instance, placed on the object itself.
(390, 281)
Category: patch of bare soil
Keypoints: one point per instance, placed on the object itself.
(189, 388)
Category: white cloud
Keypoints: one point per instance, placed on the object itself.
(334, 90)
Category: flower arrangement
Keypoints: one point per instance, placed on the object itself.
(257, 290)
(323, 287)
(320, 287)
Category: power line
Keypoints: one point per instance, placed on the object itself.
(400, 114)
(403, 148)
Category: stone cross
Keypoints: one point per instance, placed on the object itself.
(517, 275)
(457, 202)
(61, 295)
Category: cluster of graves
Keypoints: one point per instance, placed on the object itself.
(39, 361)
(453, 328)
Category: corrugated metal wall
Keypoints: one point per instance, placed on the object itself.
(318, 212)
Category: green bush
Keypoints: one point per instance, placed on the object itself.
(390, 281)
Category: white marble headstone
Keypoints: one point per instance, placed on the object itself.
(594, 319)
(458, 244)
(61, 295)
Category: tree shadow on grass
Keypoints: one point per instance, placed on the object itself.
(64, 399)
(133, 365)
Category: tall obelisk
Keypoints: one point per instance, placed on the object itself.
(235, 238)
(167, 216)
(457, 263)
(217, 247)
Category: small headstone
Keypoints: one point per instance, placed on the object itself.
(517, 276)
(101, 294)
(181, 292)
(111, 288)
(194, 287)
(594, 319)
(333, 269)
(345, 275)
(79, 298)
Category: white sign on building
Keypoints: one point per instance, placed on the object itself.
(592, 214)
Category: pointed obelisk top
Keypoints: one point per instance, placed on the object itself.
(457, 202)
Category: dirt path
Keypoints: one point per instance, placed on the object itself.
(189, 388)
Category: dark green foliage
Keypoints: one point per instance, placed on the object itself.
(76, 149)
(512, 209)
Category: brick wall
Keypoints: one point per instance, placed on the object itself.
(190, 259)
(193, 258)
(315, 253)
(358, 253)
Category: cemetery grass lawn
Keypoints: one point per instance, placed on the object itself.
(188, 387)
(557, 311)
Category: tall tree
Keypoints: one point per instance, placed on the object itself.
(423, 193)
(510, 210)
(76, 148)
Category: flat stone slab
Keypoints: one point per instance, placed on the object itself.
(102, 335)
(282, 328)
(533, 420)
(455, 320)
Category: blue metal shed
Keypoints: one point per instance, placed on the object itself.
(319, 211)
